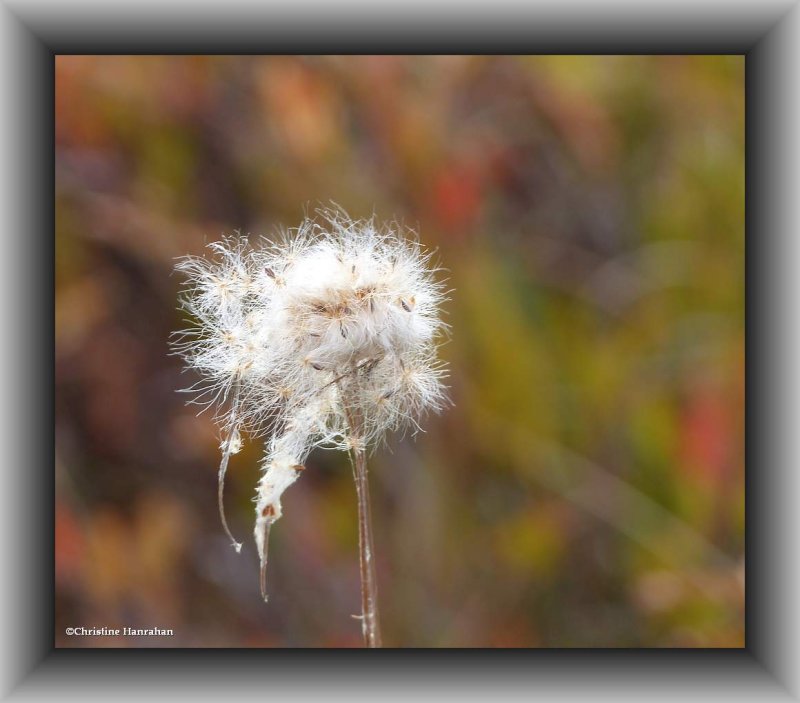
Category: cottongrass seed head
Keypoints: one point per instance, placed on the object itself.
(326, 337)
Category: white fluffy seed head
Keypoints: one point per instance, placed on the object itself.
(327, 337)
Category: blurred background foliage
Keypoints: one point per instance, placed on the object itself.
(587, 487)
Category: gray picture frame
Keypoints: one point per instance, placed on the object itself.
(32, 33)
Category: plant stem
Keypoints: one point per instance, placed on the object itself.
(369, 585)
(370, 625)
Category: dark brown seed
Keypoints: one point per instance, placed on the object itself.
(268, 511)
(341, 329)
(316, 366)
(269, 272)
(405, 305)
(299, 468)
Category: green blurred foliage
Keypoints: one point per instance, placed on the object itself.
(587, 487)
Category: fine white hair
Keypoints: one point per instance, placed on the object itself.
(325, 337)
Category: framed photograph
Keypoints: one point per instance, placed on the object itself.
(391, 334)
